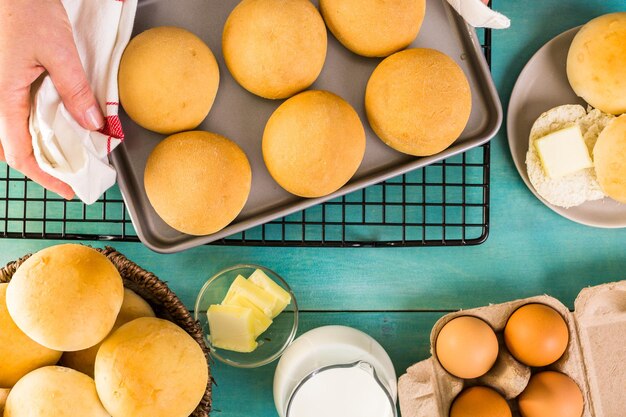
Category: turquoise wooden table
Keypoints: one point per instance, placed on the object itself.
(397, 294)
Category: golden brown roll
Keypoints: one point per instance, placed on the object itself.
(168, 80)
(609, 156)
(596, 62)
(150, 367)
(133, 308)
(374, 28)
(313, 143)
(19, 354)
(418, 101)
(275, 48)
(197, 182)
(54, 391)
(65, 297)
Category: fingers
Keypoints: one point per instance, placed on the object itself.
(17, 149)
(62, 62)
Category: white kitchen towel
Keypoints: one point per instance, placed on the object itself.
(63, 149)
(477, 14)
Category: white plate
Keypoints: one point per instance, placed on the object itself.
(541, 86)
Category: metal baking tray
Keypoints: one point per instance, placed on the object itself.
(241, 116)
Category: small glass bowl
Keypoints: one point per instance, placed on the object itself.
(272, 343)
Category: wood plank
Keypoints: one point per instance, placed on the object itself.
(531, 250)
(505, 268)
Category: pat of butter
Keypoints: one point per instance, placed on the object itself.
(261, 321)
(563, 152)
(265, 301)
(283, 298)
(232, 328)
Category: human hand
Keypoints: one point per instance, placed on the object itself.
(36, 36)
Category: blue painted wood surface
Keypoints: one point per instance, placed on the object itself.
(397, 294)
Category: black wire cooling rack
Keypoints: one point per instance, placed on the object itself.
(444, 204)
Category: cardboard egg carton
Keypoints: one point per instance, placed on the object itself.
(595, 357)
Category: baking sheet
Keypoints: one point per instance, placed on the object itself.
(241, 116)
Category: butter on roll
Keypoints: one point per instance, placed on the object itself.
(563, 152)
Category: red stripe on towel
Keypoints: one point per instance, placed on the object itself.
(113, 127)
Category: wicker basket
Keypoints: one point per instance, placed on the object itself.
(165, 303)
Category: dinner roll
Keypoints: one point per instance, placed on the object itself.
(418, 101)
(133, 308)
(54, 391)
(197, 182)
(313, 143)
(19, 354)
(610, 159)
(168, 80)
(66, 297)
(596, 62)
(374, 28)
(151, 367)
(275, 48)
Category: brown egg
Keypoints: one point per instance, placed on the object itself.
(536, 335)
(480, 402)
(551, 394)
(467, 347)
